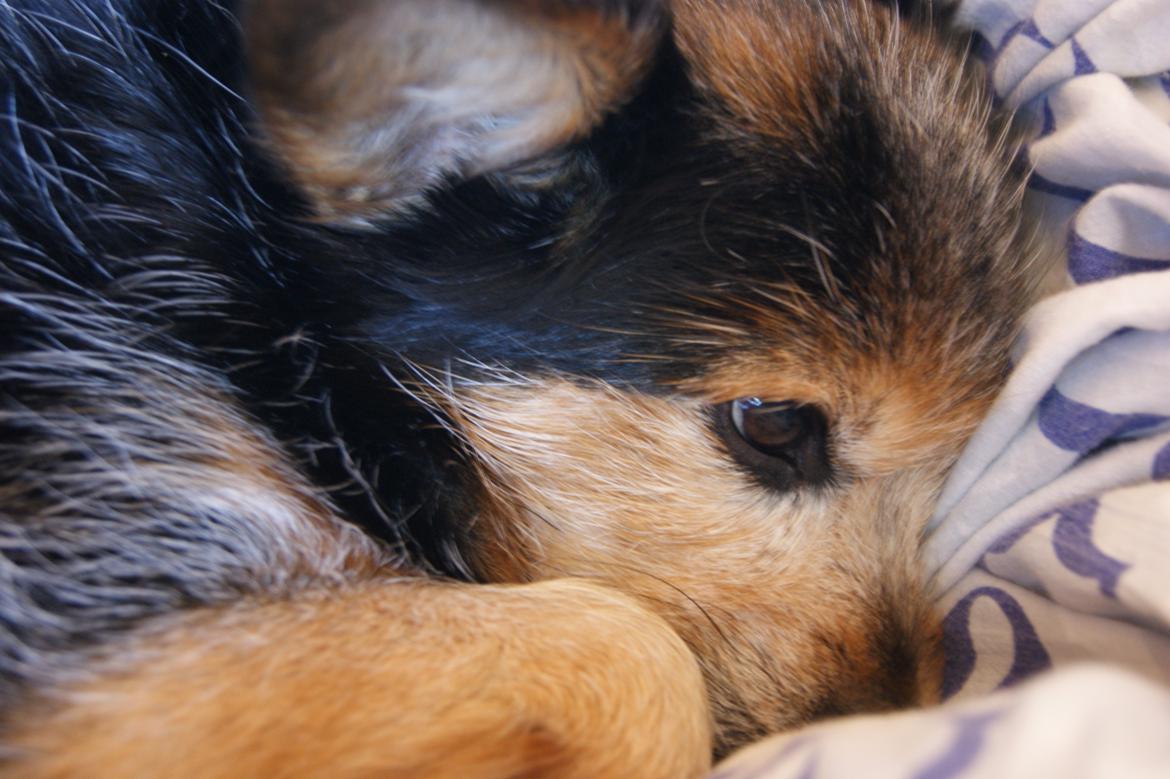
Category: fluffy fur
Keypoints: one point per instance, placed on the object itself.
(332, 335)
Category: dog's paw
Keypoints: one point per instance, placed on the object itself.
(610, 688)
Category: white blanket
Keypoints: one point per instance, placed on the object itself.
(1051, 545)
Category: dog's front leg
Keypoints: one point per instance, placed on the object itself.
(408, 678)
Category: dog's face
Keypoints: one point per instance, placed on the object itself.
(714, 298)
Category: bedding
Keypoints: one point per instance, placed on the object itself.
(1051, 544)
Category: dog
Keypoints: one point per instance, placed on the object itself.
(480, 388)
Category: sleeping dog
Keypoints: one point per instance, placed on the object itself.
(479, 388)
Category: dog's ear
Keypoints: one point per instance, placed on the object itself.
(371, 103)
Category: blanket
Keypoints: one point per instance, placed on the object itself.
(1051, 543)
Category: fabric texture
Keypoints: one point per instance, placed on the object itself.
(1051, 544)
(1076, 724)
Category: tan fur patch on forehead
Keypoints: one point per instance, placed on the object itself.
(755, 58)
(774, 67)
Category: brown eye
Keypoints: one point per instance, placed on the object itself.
(784, 443)
(772, 428)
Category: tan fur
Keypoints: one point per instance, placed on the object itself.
(754, 57)
(744, 53)
(255, 480)
(372, 103)
(397, 680)
(907, 401)
(796, 605)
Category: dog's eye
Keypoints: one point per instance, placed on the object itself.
(772, 428)
(785, 444)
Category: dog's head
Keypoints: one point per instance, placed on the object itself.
(712, 295)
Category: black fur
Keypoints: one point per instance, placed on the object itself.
(152, 261)
(145, 267)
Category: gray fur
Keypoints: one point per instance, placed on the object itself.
(118, 500)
